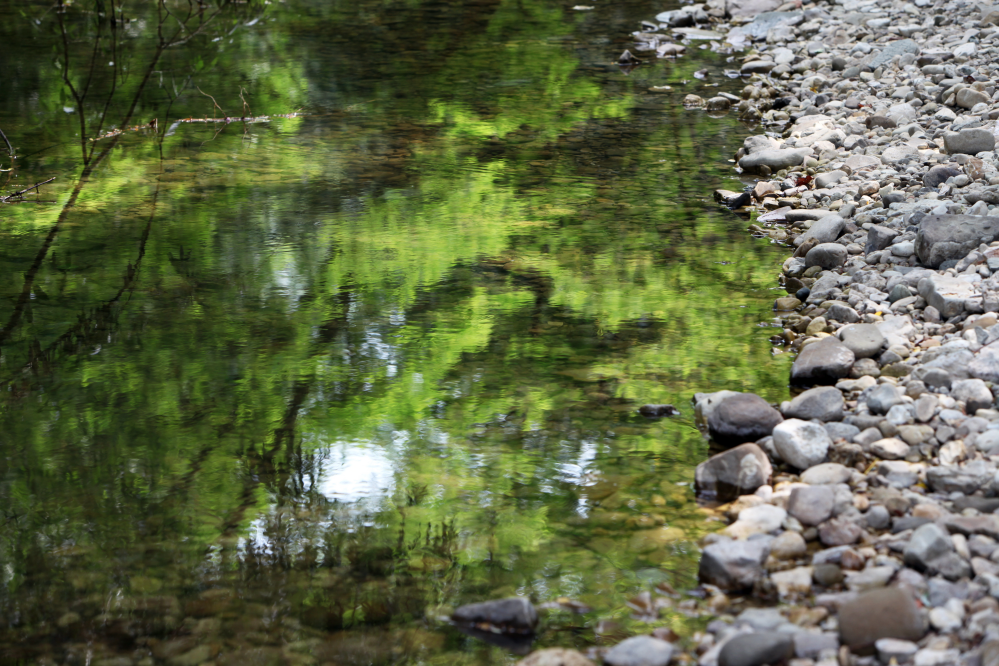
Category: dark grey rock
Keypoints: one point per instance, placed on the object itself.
(658, 411)
(744, 417)
(952, 479)
(951, 237)
(515, 615)
(933, 377)
(757, 649)
(738, 471)
(826, 255)
(822, 362)
(734, 565)
(939, 174)
(903, 523)
(824, 403)
(879, 238)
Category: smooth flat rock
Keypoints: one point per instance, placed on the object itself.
(864, 340)
(945, 237)
(826, 474)
(822, 362)
(969, 141)
(774, 159)
(889, 612)
(824, 403)
(985, 364)
(738, 471)
(555, 657)
(947, 294)
(639, 651)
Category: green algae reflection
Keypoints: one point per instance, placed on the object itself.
(299, 386)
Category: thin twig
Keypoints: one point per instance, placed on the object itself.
(27, 189)
(213, 102)
(10, 150)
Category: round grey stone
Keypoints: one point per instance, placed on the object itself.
(639, 651)
(824, 403)
(744, 417)
(864, 340)
(826, 255)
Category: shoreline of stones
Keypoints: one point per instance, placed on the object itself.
(863, 512)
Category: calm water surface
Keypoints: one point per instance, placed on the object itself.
(287, 391)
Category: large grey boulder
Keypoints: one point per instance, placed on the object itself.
(744, 417)
(734, 565)
(801, 444)
(889, 612)
(969, 141)
(774, 159)
(949, 295)
(945, 237)
(824, 403)
(823, 362)
(864, 340)
(825, 230)
(515, 615)
(729, 474)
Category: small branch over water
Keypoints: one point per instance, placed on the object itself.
(27, 189)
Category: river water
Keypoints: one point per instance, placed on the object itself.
(287, 391)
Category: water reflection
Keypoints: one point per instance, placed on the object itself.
(289, 391)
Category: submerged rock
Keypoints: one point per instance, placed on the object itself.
(515, 615)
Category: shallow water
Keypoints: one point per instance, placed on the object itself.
(287, 391)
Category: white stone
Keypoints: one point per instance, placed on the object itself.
(801, 444)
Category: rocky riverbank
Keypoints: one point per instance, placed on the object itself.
(862, 512)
